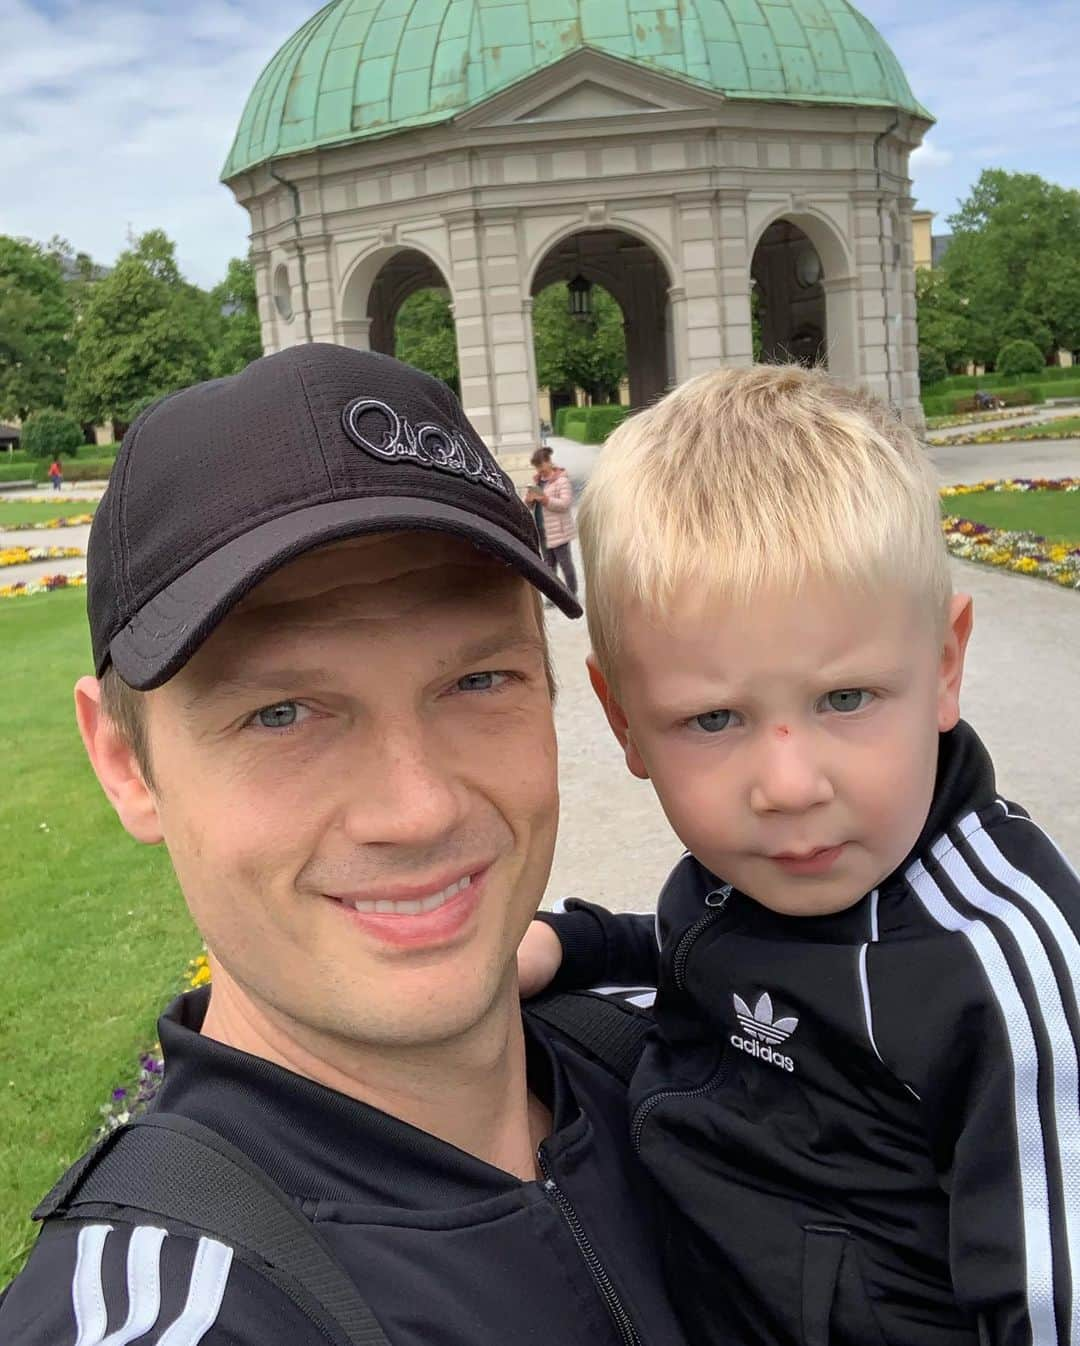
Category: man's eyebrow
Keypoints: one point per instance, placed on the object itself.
(233, 684)
(511, 640)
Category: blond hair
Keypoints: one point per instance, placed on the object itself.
(746, 479)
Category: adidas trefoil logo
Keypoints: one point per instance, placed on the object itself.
(764, 1033)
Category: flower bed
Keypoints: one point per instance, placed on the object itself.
(1006, 434)
(976, 418)
(131, 1100)
(1025, 552)
(74, 521)
(45, 584)
(1018, 484)
(20, 556)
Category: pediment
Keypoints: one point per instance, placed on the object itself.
(588, 99)
(588, 85)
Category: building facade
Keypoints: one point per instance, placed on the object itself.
(681, 162)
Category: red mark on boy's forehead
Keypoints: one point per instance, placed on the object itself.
(782, 731)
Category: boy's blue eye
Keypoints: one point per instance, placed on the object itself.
(279, 716)
(847, 699)
(713, 720)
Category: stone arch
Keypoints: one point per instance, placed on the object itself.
(815, 321)
(637, 275)
(375, 287)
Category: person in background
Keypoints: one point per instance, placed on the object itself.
(554, 494)
(56, 474)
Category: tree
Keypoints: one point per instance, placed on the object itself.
(571, 353)
(1015, 244)
(240, 341)
(1020, 357)
(36, 319)
(932, 366)
(425, 336)
(144, 331)
(944, 324)
(49, 433)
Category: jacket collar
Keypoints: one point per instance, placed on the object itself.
(321, 1145)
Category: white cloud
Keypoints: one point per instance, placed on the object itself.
(125, 114)
(928, 157)
(120, 113)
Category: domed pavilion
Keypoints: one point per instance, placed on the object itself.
(698, 161)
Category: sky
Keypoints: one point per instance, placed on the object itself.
(116, 115)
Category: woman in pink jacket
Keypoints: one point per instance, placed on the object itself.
(554, 494)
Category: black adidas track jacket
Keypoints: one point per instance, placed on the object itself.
(446, 1250)
(867, 1125)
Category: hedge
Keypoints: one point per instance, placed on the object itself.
(958, 382)
(595, 424)
(957, 403)
(565, 414)
(82, 469)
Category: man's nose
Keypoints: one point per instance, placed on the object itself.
(789, 776)
(408, 793)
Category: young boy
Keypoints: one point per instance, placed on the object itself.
(861, 1098)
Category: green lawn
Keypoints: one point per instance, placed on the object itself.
(1064, 425)
(96, 937)
(37, 511)
(1054, 514)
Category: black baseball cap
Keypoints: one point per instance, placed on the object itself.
(218, 485)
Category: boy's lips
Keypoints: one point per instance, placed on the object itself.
(817, 861)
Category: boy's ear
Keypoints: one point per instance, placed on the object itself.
(115, 765)
(616, 717)
(951, 670)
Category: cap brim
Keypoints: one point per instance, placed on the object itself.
(167, 630)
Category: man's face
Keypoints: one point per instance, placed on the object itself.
(793, 740)
(356, 782)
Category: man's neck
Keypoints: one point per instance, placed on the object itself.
(471, 1092)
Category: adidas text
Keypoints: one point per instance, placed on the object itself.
(763, 1052)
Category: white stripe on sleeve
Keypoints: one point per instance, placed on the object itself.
(209, 1277)
(1031, 1153)
(87, 1295)
(144, 1285)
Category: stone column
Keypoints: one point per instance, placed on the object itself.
(842, 328)
(509, 328)
(911, 405)
(470, 320)
(264, 300)
(734, 273)
(354, 332)
(879, 349)
(678, 352)
(700, 263)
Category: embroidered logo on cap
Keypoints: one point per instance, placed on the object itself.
(379, 430)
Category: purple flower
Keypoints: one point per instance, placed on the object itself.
(118, 1094)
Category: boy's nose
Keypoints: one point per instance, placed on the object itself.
(788, 776)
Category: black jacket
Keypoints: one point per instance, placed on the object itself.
(447, 1250)
(868, 1124)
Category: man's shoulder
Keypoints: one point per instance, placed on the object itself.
(87, 1280)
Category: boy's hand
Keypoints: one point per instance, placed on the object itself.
(539, 957)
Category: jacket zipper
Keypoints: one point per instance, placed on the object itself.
(647, 1105)
(619, 1316)
(682, 955)
(687, 941)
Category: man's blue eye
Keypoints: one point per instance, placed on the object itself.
(477, 682)
(847, 699)
(713, 720)
(280, 716)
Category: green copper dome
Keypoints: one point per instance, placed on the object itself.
(361, 68)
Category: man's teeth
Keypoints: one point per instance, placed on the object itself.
(415, 906)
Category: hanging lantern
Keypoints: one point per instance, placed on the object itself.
(580, 298)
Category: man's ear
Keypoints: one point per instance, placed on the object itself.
(951, 669)
(616, 717)
(115, 765)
